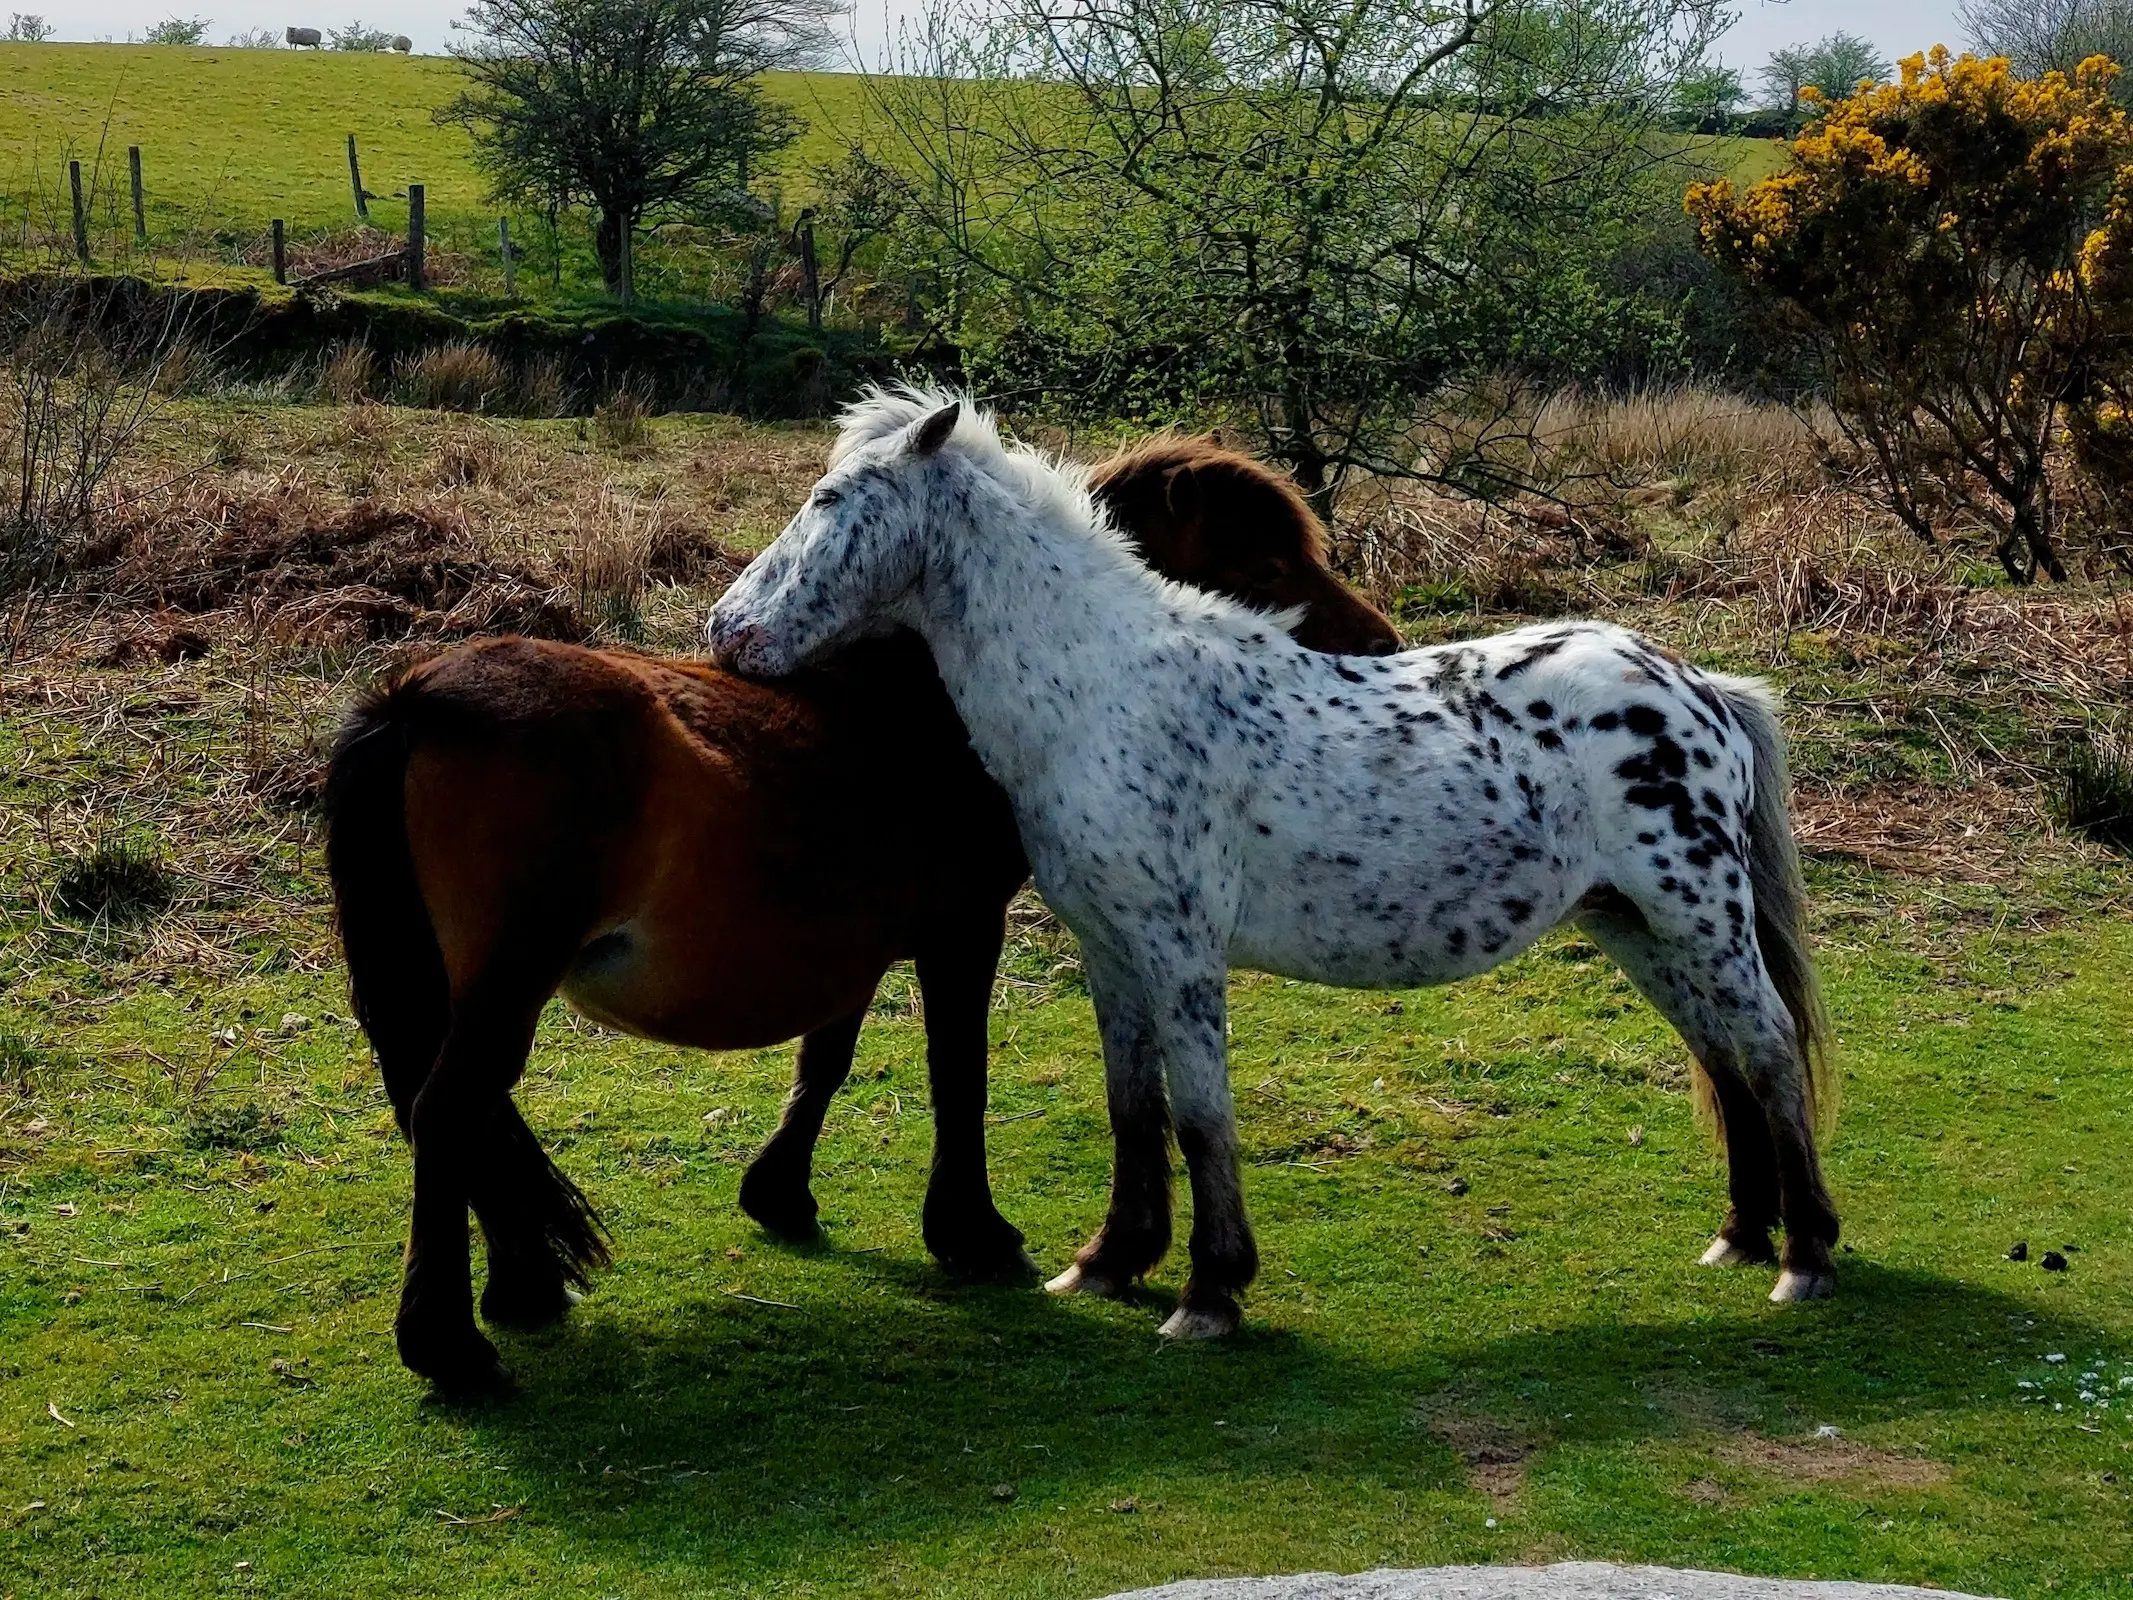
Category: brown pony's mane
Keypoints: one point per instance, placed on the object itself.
(1219, 469)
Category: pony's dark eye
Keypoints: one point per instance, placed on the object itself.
(827, 497)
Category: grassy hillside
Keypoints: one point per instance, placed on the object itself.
(231, 138)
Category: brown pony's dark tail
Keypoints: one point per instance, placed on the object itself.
(1780, 890)
(401, 996)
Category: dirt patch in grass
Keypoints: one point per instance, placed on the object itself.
(1836, 1460)
(1494, 1453)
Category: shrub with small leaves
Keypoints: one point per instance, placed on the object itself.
(360, 36)
(177, 30)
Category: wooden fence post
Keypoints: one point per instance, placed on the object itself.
(809, 276)
(503, 248)
(414, 236)
(355, 180)
(81, 213)
(140, 214)
(281, 259)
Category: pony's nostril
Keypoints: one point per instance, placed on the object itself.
(1384, 647)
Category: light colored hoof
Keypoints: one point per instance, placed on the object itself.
(1076, 1281)
(1793, 1286)
(1185, 1324)
(1725, 1253)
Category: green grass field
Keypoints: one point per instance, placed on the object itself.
(1479, 1333)
(232, 138)
(235, 137)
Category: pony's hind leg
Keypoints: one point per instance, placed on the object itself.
(545, 1239)
(963, 1228)
(1717, 994)
(1136, 1231)
(451, 1120)
(1192, 1033)
(777, 1189)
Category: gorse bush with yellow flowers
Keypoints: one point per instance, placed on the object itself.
(1958, 247)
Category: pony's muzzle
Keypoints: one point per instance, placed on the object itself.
(738, 645)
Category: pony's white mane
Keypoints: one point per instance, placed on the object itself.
(1052, 488)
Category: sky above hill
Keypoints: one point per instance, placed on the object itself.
(1897, 26)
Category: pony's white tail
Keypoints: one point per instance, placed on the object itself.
(1781, 894)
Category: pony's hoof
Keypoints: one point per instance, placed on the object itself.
(1077, 1279)
(1794, 1285)
(526, 1306)
(1725, 1252)
(782, 1208)
(1014, 1267)
(1188, 1323)
(465, 1368)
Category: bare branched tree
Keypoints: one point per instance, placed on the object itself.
(2040, 36)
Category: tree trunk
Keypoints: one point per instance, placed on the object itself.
(2028, 548)
(608, 244)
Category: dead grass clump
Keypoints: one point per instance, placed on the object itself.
(469, 461)
(543, 390)
(1414, 552)
(185, 368)
(624, 424)
(349, 374)
(320, 574)
(610, 563)
(1826, 560)
(161, 638)
(115, 880)
(460, 376)
(1689, 433)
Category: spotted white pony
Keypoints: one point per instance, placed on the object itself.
(1197, 792)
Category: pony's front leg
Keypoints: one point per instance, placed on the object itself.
(963, 1228)
(1192, 1034)
(1136, 1229)
(777, 1188)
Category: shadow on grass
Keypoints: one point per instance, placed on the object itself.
(916, 1409)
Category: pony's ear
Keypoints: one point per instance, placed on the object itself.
(1181, 492)
(934, 431)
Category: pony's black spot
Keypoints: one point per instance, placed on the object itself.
(1341, 667)
(1646, 722)
(1548, 739)
(1606, 722)
(1539, 710)
(1518, 910)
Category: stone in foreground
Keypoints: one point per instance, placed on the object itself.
(1571, 1580)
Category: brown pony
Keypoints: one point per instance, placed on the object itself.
(708, 861)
